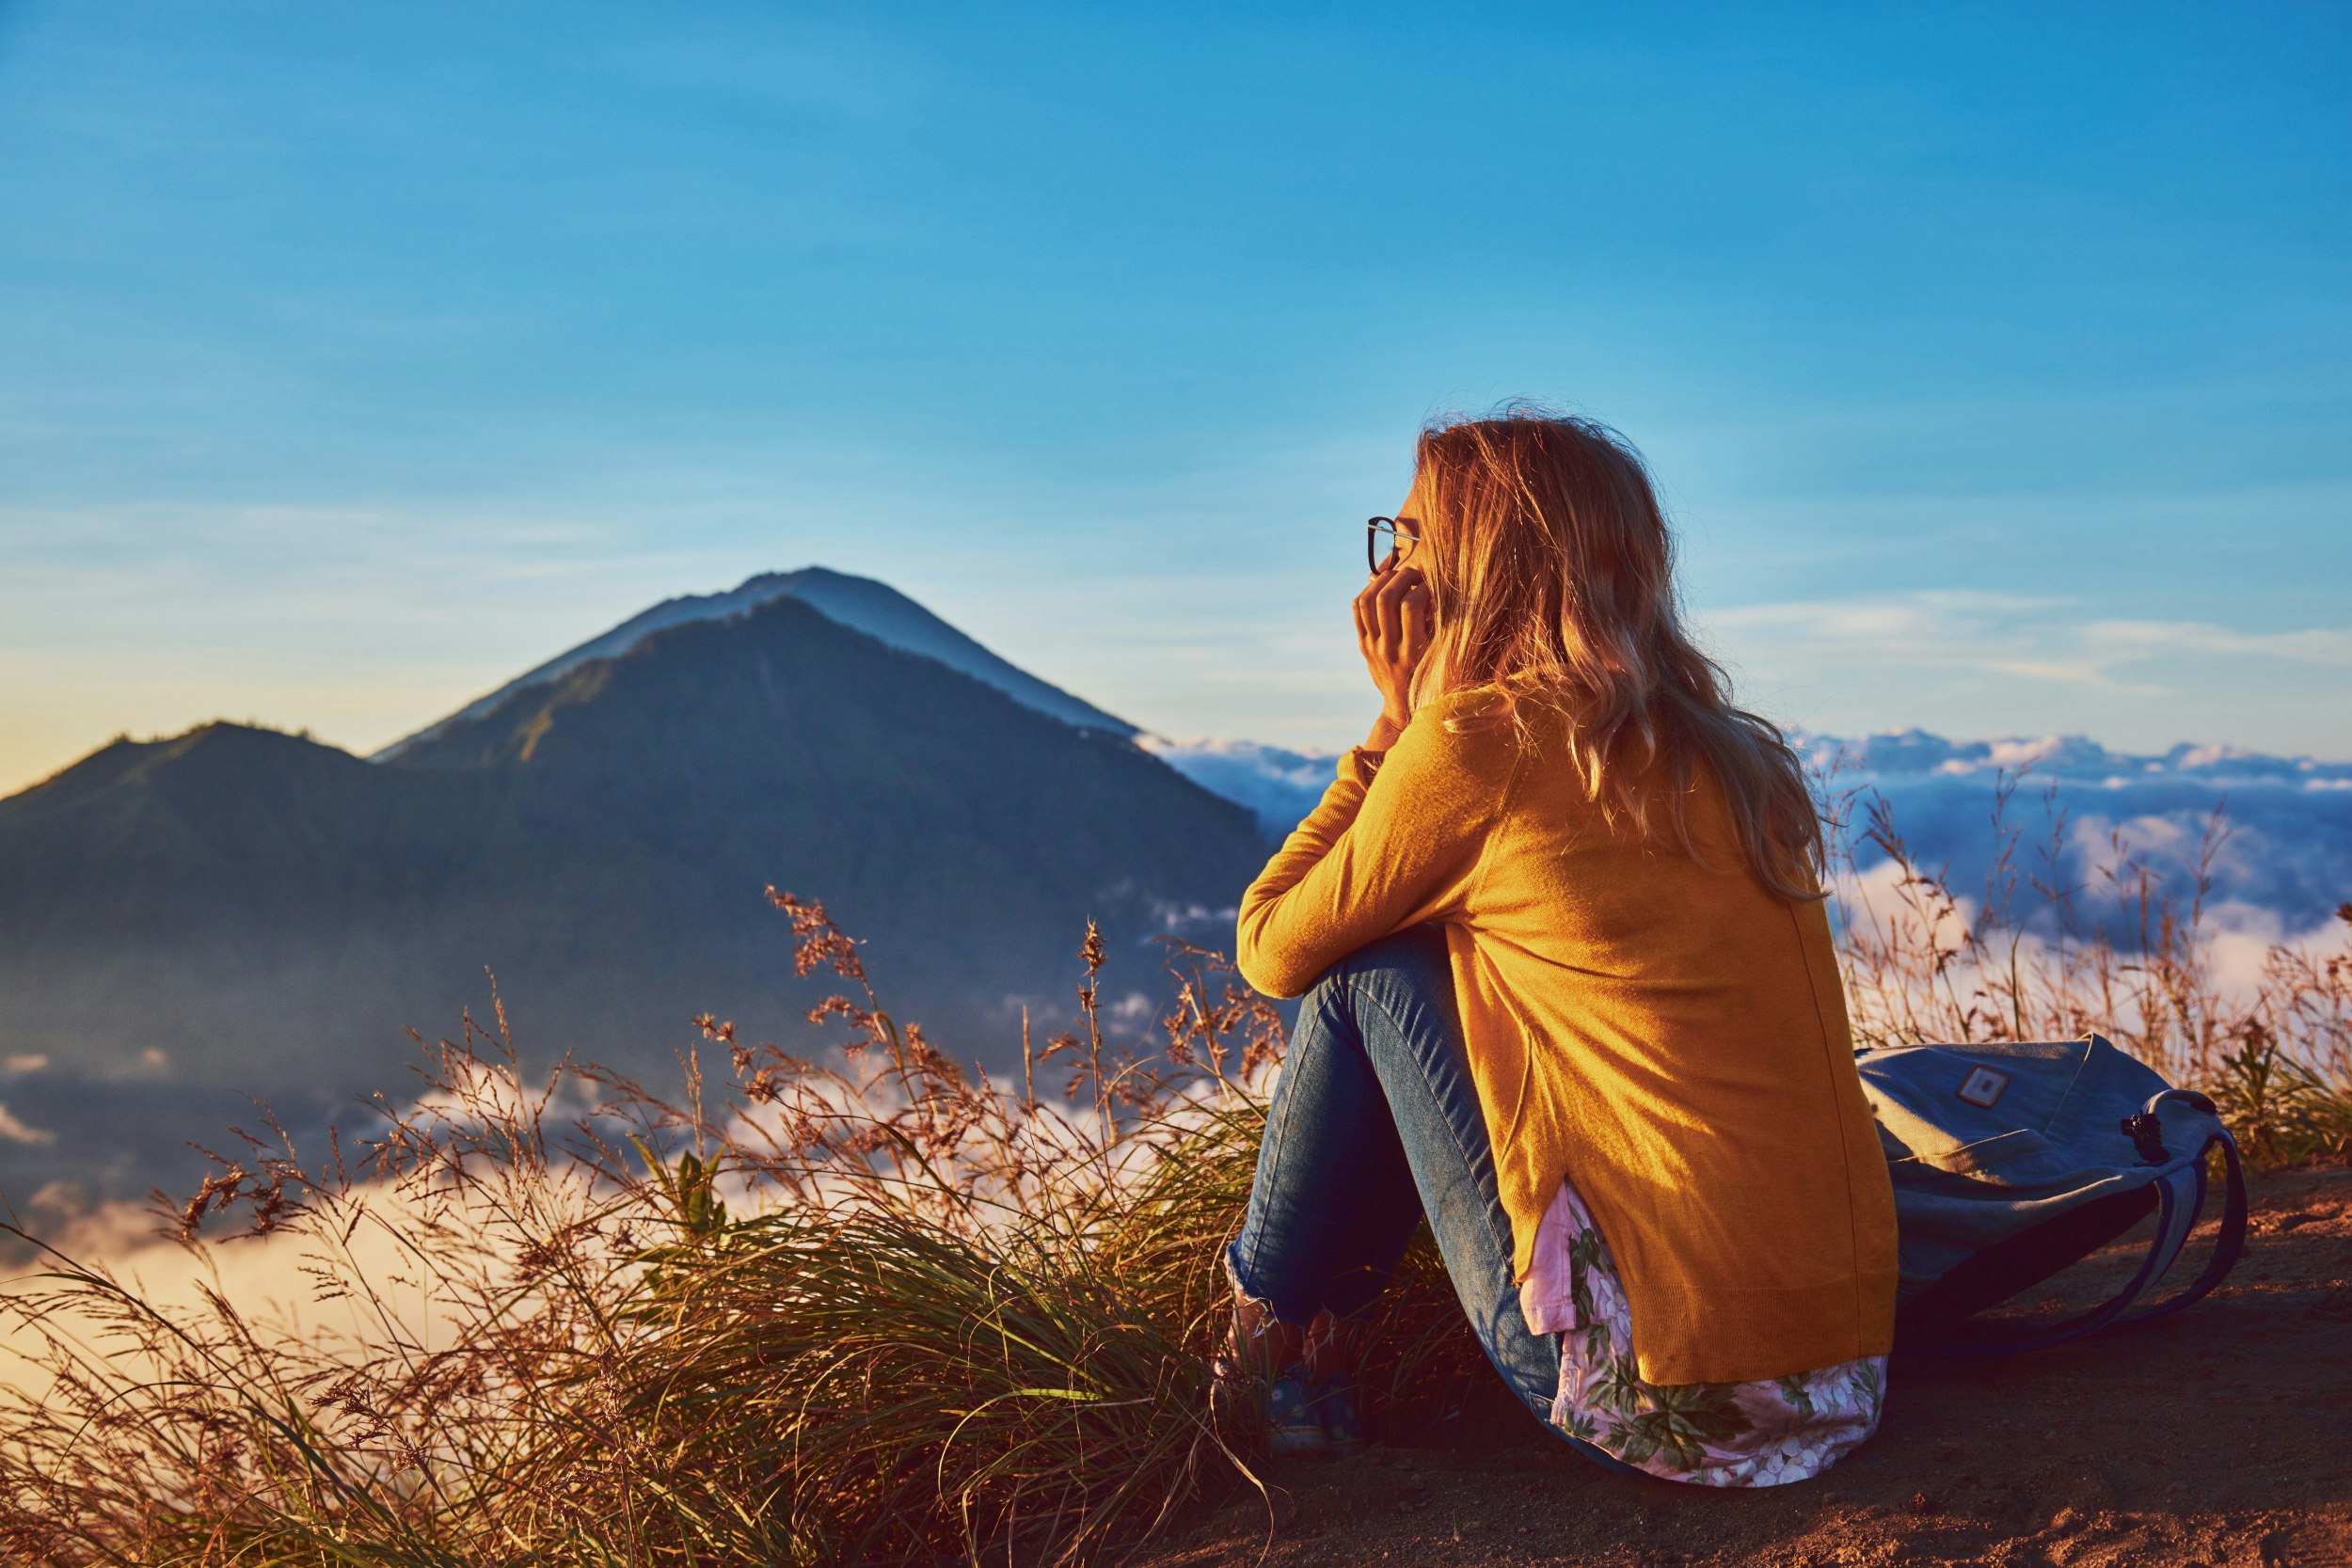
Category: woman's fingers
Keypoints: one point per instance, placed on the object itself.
(1416, 622)
(1398, 601)
(1384, 612)
(1368, 600)
(1393, 629)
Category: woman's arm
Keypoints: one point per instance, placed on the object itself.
(1396, 840)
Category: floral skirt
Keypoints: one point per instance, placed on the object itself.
(1762, 1434)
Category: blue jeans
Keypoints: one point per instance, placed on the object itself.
(1375, 1125)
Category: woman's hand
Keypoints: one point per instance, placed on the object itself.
(1393, 629)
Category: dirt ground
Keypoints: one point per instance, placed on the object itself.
(2221, 1437)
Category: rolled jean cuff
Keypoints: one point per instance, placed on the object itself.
(1231, 1255)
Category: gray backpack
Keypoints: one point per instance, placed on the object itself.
(2011, 1161)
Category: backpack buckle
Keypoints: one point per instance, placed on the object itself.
(2147, 1136)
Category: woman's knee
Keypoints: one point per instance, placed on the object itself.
(1416, 956)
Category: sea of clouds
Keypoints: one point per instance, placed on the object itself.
(2282, 864)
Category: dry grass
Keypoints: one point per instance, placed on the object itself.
(880, 1307)
(871, 1309)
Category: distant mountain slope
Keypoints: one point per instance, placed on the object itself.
(862, 604)
(1278, 786)
(267, 913)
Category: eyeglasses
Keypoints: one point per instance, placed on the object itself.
(1389, 539)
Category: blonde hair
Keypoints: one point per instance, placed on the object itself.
(1552, 576)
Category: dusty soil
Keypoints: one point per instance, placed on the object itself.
(2221, 1437)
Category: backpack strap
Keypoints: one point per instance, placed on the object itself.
(2227, 1247)
(2181, 1199)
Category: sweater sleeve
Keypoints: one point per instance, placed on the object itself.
(1397, 840)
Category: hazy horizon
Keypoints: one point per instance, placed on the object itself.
(374, 744)
(372, 740)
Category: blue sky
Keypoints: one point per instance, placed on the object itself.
(1997, 361)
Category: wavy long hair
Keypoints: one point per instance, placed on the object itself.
(1552, 576)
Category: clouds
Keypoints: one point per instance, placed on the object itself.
(1278, 786)
(1891, 757)
(2034, 639)
(2282, 858)
(2279, 854)
(1984, 662)
(13, 1130)
(2132, 641)
(2270, 836)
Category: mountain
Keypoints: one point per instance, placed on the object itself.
(876, 608)
(235, 909)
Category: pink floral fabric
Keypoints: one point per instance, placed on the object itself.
(1765, 1433)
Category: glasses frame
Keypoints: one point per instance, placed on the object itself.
(1396, 529)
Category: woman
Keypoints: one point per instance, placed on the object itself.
(1569, 993)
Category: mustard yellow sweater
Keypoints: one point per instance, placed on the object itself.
(1665, 1034)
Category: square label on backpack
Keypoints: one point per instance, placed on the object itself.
(1982, 1087)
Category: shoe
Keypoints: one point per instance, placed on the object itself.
(1289, 1381)
(1334, 1403)
(1293, 1414)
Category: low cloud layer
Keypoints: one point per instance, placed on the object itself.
(2284, 855)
